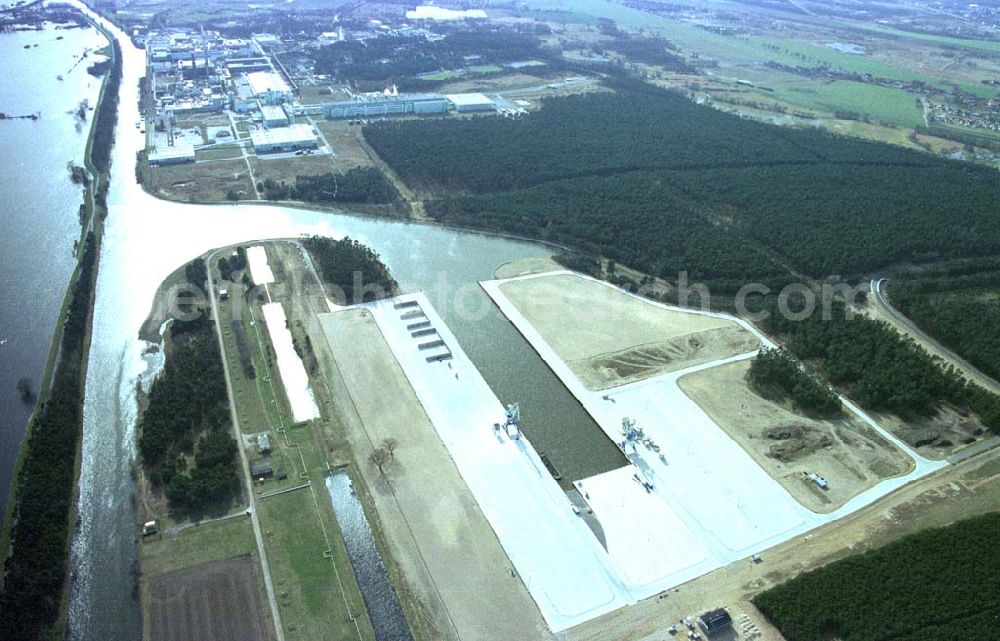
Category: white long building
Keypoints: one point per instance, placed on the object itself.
(284, 139)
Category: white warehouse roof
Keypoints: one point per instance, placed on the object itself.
(172, 153)
(282, 136)
(469, 100)
(262, 82)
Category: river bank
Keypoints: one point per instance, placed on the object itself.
(35, 600)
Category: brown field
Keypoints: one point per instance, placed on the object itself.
(202, 182)
(847, 452)
(288, 168)
(215, 601)
(609, 338)
(347, 144)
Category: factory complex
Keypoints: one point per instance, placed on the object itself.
(234, 90)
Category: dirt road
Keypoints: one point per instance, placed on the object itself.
(881, 308)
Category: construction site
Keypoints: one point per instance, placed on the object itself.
(469, 517)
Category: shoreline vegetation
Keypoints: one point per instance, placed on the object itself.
(38, 525)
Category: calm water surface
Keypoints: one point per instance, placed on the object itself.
(38, 206)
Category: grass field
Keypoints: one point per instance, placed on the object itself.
(202, 182)
(312, 575)
(306, 557)
(221, 152)
(883, 104)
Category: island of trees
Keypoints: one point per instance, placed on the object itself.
(354, 268)
(775, 375)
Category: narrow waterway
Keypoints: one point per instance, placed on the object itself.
(147, 238)
(40, 206)
(380, 599)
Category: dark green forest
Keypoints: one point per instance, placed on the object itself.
(775, 375)
(365, 185)
(959, 305)
(35, 571)
(657, 182)
(354, 268)
(879, 368)
(185, 442)
(937, 585)
(107, 114)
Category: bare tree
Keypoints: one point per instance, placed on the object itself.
(389, 445)
(380, 458)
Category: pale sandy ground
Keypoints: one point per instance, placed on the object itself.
(448, 552)
(846, 452)
(609, 338)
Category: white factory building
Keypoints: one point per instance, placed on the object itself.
(465, 102)
(284, 139)
(269, 87)
(273, 116)
(176, 154)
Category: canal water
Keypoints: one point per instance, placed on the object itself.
(380, 599)
(39, 206)
(147, 238)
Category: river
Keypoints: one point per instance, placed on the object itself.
(147, 238)
(40, 206)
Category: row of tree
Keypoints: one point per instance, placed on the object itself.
(352, 267)
(774, 374)
(962, 311)
(107, 114)
(937, 585)
(35, 570)
(878, 367)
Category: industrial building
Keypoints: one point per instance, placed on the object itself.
(176, 154)
(715, 621)
(284, 139)
(269, 87)
(468, 102)
(273, 116)
(386, 105)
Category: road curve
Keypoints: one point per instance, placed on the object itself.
(906, 325)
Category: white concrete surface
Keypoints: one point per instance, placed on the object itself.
(290, 368)
(711, 504)
(558, 558)
(260, 270)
